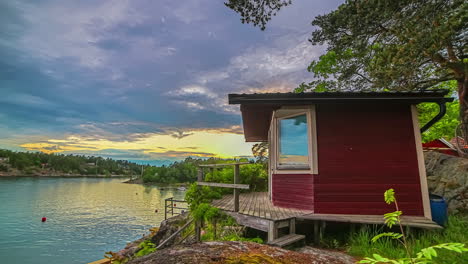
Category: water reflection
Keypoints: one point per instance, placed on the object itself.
(85, 217)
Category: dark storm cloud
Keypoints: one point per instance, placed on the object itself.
(121, 70)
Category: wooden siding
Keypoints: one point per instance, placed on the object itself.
(293, 191)
(364, 150)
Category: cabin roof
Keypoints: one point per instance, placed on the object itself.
(257, 108)
(411, 97)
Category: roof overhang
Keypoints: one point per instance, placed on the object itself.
(257, 109)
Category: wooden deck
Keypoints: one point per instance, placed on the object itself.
(258, 205)
(412, 221)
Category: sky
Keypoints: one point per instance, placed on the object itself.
(142, 80)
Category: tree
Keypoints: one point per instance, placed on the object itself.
(257, 12)
(385, 45)
(444, 128)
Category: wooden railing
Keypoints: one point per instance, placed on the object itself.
(170, 204)
(235, 185)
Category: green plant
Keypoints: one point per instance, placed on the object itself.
(197, 195)
(116, 257)
(146, 247)
(236, 237)
(425, 255)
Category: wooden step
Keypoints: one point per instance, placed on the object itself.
(286, 240)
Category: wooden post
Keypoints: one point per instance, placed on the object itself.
(200, 175)
(272, 231)
(165, 209)
(292, 226)
(198, 231)
(316, 233)
(322, 229)
(172, 207)
(236, 191)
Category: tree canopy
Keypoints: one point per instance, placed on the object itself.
(444, 128)
(384, 45)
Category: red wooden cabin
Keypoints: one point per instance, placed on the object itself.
(337, 152)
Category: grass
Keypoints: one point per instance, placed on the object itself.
(359, 243)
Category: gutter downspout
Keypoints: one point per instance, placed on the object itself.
(442, 111)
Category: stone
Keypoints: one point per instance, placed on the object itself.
(447, 176)
(241, 252)
(169, 227)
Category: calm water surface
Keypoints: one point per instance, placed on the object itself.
(85, 217)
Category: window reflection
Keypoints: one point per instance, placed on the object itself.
(293, 142)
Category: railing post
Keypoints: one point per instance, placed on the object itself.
(172, 206)
(198, 230)
(165, 209)
(236, 191)
(200, 174)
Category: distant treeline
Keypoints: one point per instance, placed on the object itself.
(184, 171)
(38, 163)
(34, 162)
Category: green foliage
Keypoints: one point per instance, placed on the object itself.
(3, 167)
(397, 45)
(254, 174)
(383, 45)
(182, 171)
(76, 164)
(235, 237)
(425, 255)
(387, 234)
(256, 12)
(359, 243)
(444, 128)
(197, 195)
(389, 196)
(205, 211)
(146, 247)
(392, 218)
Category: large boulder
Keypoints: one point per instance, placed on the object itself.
(240, 252)
(447, 176)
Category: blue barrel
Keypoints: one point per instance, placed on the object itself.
(438, 209)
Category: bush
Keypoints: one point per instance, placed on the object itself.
(254, 174)
(417, 251)
(3, 167)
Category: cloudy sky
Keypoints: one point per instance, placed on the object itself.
(142, 80)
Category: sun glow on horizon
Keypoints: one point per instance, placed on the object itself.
(201, 143)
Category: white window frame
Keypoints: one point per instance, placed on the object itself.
(287, 112)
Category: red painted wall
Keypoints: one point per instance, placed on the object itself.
(293, 191)
(363, 150)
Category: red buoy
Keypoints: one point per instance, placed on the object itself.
(175, 204)
(44, 219)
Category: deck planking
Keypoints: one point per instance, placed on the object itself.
(258, 204)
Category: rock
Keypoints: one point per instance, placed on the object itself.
(169, 227)
(240, 252)
(447, 176)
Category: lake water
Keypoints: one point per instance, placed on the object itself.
(85, 217)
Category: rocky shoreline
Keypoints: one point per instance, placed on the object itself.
(184, 249)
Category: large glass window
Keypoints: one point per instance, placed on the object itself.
(293, 151)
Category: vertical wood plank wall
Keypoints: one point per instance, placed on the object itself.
(363, 150)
